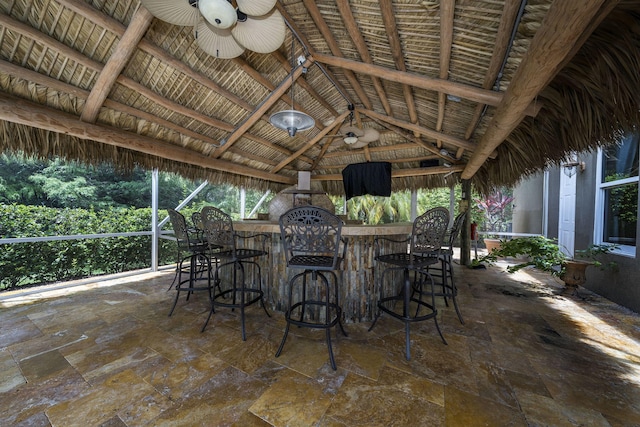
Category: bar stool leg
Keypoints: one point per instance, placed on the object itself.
(405, 313)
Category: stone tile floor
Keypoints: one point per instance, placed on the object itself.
(106, 354)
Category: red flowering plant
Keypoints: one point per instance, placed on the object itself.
(496, 209)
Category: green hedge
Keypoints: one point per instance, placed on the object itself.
(24, 264)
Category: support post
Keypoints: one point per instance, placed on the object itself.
(465, 233)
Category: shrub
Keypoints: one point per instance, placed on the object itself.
(51, 261)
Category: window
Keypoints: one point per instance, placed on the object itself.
(617, 195)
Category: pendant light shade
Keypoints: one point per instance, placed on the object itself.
(292, 121)
(219, 13)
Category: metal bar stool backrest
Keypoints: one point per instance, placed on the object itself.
(429, 230)
(181, 230)
(310, 232)
(219, 229)
(455, 229)
(196, 219)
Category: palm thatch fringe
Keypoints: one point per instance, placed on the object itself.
(44, 144)
(589, 104)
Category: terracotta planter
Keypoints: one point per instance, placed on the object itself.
(492, 244)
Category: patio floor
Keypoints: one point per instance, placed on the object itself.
(107, 354)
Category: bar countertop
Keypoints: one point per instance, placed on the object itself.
(397, 228)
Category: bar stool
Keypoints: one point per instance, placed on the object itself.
(424, 245)
(312, 239)
(197, 263)
(219, 233)
(444, 271)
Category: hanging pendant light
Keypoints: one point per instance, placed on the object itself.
(292, 120)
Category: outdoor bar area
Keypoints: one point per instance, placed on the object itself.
(358, 291)
(295, 213)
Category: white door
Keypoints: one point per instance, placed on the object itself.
(567, 215)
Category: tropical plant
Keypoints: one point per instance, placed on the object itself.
(497, 210)
(544, 254)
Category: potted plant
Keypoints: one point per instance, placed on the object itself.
(496, 211)
(545, 254)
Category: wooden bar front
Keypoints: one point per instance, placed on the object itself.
(359, 292)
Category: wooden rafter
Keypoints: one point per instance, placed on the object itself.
(398, 173)
(262, 109)
(458, 142)
(457, 89)
(447, 9)
(500, 51)
(19, 111)
(361, 46)
(386, 8)
(335, 49)
(561, 28)
(116, 63)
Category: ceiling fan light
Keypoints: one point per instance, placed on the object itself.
(292, 121)
(219, 13)
(350, 139)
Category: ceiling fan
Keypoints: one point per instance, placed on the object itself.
(223, 28)
(354, 136)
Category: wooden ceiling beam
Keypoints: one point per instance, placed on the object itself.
(363, 50)
(324, 29)
(93, 15)
(57, 85)
(556, 38)
(307, 45)
(385, 149)
(323, 150)
(458, 142)
(457, 89)
(447, 9)
(398, 173)
(76, 56)
(115, 64)
(500, 51)
(28, 113)
(388, 17)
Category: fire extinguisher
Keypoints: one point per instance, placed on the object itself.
(474, 231)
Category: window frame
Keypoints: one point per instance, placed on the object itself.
(599, 214)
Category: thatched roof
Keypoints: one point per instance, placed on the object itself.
(505, 87)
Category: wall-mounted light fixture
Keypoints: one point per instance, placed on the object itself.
(571, 168)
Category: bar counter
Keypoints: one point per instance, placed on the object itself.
(359, 293)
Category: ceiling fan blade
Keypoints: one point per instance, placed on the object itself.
(217, 42)
(359, 144)
(370, 135)
(262, 34)
(256, 7)
(172, 11)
